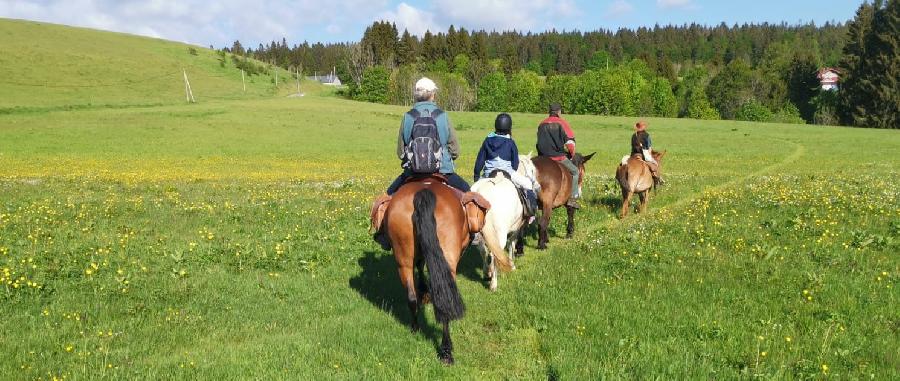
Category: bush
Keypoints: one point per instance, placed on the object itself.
(492, 92)
(826, 108)
(662, 99)
(788, 114)
(729, 90)
(614, 93)
(605, 92)
(524, 93)
(403, 79)
(638, 93)
(374, 85)
(461, 64)
(562, 89)
(440, 66)
(454, 94)
(698, 107)
(754, 111)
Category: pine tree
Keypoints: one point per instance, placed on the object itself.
(803, 85)
(479, 47)
(407, 49)
(880, 70)
(851, 93)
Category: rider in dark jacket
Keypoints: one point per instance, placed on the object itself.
(499, 153)
(556, 140)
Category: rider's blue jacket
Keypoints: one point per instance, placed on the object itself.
(497, 152)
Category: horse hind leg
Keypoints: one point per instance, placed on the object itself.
(520, 243)
(412, 300)
(626, 203)
(486, 259)
(422, 283)
(570, 224)
(543, 225)
(513, 246)
(446, 349)
(492, 285)
(645, 199)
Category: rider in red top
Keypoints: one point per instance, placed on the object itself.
(556, 140)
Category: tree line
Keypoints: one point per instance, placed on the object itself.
(759, 72)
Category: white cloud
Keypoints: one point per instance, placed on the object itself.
(413, 19)
(618, 8)
(480, 14)
(503, 14)
(199, 21)
(675, 4)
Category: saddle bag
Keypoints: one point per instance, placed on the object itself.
(476, 208)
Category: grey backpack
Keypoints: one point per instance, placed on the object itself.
(424, 151)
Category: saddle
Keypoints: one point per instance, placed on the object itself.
(474, 205)
(628, 157)
(528, 208)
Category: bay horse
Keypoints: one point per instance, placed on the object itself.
(556, 187)
(634, 176)
(418, 240)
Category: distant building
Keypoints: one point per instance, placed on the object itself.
(330, 79)
(829, 78)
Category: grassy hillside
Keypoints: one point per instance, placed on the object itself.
(228, 240)
(46, 65)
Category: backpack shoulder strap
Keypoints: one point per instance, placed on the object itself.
(436, 112)
(414, 113)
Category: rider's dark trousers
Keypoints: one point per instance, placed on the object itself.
(453, 180)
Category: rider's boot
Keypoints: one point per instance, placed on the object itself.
(657, 179)
(530, 205)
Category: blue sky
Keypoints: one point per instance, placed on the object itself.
(221, 22)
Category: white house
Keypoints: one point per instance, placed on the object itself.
(329, 79)
(828, 77)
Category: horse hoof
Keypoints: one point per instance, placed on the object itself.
(542, 247)
(447, 359)
(569, 236)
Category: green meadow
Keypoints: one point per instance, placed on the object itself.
(142, 237)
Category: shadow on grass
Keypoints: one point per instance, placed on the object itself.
(471, 265)
(379, 283)
(611, 203)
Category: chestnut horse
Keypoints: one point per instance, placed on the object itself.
(634, 177)
(417, 239)
(556, 187)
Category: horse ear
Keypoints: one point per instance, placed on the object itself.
(663, 153)
(588, 157)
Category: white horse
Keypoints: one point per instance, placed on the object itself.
(503, 221)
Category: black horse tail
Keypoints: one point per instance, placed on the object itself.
(448, 304)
